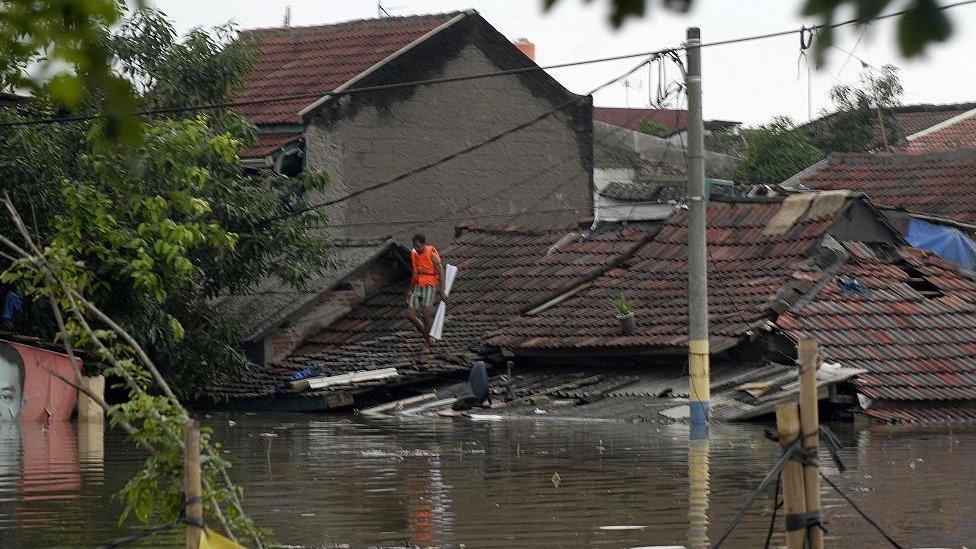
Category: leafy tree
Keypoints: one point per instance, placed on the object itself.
(652, 128)
(922, 22)
(63, 41)
(864, 119)
(163, 225)
(775, 152)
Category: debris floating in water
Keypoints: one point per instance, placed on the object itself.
(624, 527)
(556, 480)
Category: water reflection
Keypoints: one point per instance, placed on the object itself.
(318, 482)
(698, 485)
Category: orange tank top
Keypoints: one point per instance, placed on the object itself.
(424, 272)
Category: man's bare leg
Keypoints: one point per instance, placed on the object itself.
(428, 323)
(416, 321)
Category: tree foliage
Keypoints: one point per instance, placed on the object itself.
(776, 151)
(161, 226)
(864, 118)
(923, 22)
(652, 128)
(63, 44)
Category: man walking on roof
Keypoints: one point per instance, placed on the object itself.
(427, 279)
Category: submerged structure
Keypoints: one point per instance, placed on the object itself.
(896, 325)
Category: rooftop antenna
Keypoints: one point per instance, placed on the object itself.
(380, 10)
(287, 21)
(629, 85)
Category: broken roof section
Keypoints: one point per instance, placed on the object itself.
(272, 302)
(941, 184)
(763, 257)
(909, 321)
(503, 271)
(808, 266)
(310, 61)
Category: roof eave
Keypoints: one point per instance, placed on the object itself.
(307, 111)
(272, 325)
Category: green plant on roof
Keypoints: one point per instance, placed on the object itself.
(623, 308)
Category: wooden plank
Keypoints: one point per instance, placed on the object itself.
(343, 379)
(403, 402)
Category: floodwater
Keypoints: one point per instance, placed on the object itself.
(325, 482)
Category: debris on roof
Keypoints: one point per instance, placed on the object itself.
(942, 184)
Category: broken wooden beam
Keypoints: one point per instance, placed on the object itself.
(343, 379)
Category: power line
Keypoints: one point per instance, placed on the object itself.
(434, 81)
(518, 183)
(462, 152)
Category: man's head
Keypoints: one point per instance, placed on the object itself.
(419, 242)
(11, 382)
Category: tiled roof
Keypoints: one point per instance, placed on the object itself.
(942, 184)
(268, 143)
(915, 348)
(960, 135)
(915, 118)
(502, 271)
(673, 120)
(272, 301)
(924, 413)
(749, 267)
(315, 60)
(910, 119)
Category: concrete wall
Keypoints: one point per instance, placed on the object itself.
(363, 140)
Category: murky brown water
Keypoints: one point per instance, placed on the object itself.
(519, 483)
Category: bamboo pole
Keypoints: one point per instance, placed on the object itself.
(810, 429)
(192, 483)
(794, 500)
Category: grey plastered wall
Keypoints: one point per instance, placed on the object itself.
(362, 140)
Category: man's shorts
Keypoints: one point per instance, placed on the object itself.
(423, 296)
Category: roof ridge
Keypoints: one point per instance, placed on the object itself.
(896, 156)
(363, 21)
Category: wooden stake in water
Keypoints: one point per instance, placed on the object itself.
(192, 484)
(810, 426)
(794, 499)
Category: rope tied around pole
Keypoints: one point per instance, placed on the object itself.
(799, 521)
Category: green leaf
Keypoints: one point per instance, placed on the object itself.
(921, 25)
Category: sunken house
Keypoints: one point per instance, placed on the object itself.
(896, 324)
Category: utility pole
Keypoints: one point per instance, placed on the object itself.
(698, 352)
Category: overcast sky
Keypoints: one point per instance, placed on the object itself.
(749, 82)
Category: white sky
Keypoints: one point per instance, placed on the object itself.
(750, 82)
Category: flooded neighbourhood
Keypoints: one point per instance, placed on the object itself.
(346, 481)
(615, 273)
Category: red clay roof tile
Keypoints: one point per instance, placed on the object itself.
(315, 60)
(942, 184)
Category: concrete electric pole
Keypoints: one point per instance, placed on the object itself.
(698, 357)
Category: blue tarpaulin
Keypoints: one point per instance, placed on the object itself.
(946, 242)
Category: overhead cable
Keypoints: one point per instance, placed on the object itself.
(433, 81)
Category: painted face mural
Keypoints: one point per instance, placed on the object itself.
(11, 383)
